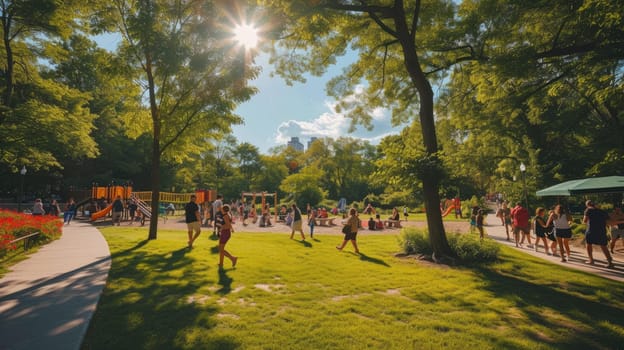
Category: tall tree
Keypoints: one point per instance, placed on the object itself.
(401, 45)
(41, 120)
(551, 86)
(189, 65)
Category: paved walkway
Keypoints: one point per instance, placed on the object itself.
(46, 301)
(495, 230)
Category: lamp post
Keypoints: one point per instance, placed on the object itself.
(21, 191)
(526, 197)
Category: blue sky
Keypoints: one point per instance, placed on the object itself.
(278, 111)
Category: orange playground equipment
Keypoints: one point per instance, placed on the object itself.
(448, 210)
(143, 198)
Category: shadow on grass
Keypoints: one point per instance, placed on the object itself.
(370, 259)
(225, 282)
(306, 244)
(152, 303)
(542, 305)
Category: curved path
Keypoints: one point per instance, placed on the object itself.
(47, 300)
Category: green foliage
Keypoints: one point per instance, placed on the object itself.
(414, 241)
(302, 187)
(468, 248)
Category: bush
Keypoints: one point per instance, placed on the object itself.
(468, 248)
(414, 241)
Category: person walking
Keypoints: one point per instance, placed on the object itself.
(596, 220)
(506, 217)
(192, 218)
(55, 210)
(132, 209)
(118, 208)
(312, 222)
(561, 220)
(540, 228)
(353, 223)
(520, 221)
(617, 227)
(297, 222)
(479, 221)
(224, 236)
(70, 210)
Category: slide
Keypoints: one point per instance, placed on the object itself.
(101, 213)
(448, 210)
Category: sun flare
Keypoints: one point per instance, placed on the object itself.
(246, 35)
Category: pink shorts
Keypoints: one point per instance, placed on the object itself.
(225, 235)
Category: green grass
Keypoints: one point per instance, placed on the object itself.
(288, 295)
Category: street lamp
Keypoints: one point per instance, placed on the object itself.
(526, 197)
(21, 192)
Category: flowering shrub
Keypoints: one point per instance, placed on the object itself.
(14, 225)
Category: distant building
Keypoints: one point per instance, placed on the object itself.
(312, 139)
(295, 143)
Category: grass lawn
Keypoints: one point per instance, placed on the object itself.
(285, 294)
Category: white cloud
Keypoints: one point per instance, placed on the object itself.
(334, 124)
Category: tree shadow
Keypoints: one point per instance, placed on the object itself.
(574, 301)
(158, 291)
(370, 259)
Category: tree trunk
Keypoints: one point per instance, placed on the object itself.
(437, 235)
(8, 92)
(153, 229)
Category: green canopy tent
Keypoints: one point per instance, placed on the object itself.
(607, 184)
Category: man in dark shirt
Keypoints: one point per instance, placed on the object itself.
(596, 233)
(193, 220)
(118, 208)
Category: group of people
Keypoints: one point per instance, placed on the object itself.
(222, 221)
(54, 209)
(223, 226)
(556, 228)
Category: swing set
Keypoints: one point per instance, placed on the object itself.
(263, 196)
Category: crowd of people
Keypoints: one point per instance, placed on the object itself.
(554, 230)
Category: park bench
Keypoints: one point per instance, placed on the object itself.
(392, 223)
(28, 240)
(325, 221)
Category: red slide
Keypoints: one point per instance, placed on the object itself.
(448, 210)
(101, 213)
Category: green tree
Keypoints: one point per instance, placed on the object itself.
(41, 120)
(189, 66)
(93, 70)
(302, 187)
(249, 163)
(402, 45)
(546, 92)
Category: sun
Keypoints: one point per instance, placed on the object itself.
(246, 35)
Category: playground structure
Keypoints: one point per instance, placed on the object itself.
(263, 196)
(451, 206)
(142, 199)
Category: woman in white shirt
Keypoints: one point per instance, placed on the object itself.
(561, 219)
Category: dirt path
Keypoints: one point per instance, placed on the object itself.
(177, 223)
